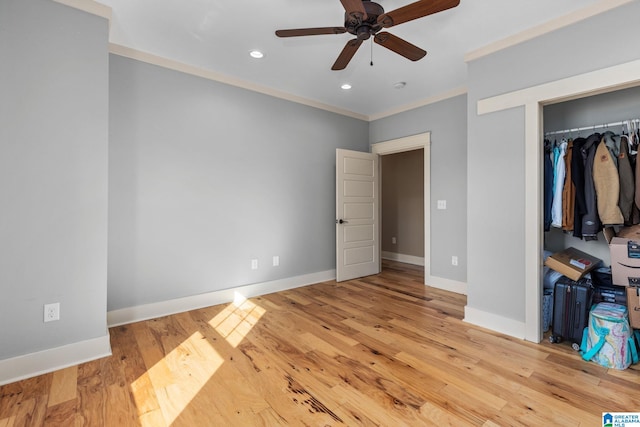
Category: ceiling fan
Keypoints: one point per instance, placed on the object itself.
(364, 18)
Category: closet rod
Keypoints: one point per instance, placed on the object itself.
(593, 127)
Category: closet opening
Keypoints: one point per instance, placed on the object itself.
(567, 127)
(534, 99)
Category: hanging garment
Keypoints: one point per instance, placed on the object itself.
(607, 185)
(568, 191)
(590, 220)
(613, 145)
(627, 184)
(548, 185)
(559, 171)
(637, 169)
(577, 177)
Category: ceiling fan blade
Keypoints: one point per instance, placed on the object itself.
(355, 9)
(347, 53)
(399, 46)
(310, 31)
(415, 10)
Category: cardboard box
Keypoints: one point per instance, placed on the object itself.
(625, 261)
(572, 263)
(631, 233)
(633, 304)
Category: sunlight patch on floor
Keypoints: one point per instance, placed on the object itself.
(237, 319)
(179, 376)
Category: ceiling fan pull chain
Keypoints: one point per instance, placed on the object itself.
(371, 63)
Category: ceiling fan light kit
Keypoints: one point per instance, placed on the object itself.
(364, 18)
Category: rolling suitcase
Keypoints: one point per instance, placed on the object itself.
(571, 305)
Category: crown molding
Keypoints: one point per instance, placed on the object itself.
(462, 90)
(89, 6)
(539, 30)
(160, 61)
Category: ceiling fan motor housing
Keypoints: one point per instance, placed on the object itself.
(363, 29)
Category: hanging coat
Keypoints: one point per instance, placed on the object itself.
(568, 191)
(627, 184)
(607, 185)
(548, 185)
(559, 171)
(637, 190)
(577, 177)
(590, 220)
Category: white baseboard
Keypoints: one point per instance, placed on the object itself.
(494, 322)
(408, 259)
(447, 284)
(179, 305)
(42, 362)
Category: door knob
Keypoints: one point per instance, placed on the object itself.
(341, 221)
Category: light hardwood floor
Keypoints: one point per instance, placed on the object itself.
(382, 350)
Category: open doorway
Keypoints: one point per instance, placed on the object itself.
(402, 206)
(421, 143)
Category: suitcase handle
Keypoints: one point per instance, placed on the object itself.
(576, 318)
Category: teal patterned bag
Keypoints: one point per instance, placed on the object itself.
(608, 339)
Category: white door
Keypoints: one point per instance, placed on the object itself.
(357, 215)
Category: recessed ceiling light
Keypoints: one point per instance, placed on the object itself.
(256, 54)
(346, 86)
(399, 85)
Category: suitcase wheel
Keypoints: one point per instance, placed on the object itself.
(575, 346)
(555, 338)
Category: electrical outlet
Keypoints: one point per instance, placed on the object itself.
(393, 240)
(254, 264)
(454, 260)
(52, 312)
(276, 260)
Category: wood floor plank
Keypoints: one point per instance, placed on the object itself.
(31, 412)
(441, 417)
(91, 393)
(383, 350)
(63, 414)
(63, 386)
(456, 378)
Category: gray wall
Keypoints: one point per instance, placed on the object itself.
(53, 175)
(496, 152)
(203, 177)
(447, 122)
(403, 203)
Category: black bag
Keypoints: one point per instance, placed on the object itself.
(603, 288)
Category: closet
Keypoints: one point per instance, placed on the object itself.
(612, 115)
(590, 128)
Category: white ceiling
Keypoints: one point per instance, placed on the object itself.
(217, 35)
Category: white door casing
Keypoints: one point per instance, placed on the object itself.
(357, 215)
